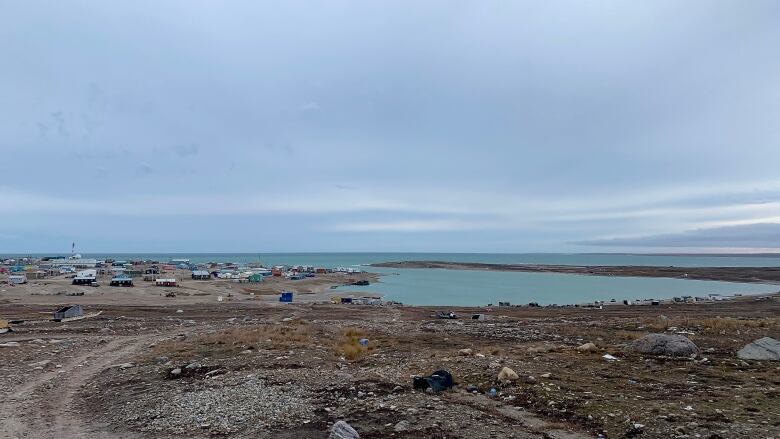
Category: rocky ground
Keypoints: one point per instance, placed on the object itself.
(231, 370)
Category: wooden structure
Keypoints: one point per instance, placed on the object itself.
(67, 312)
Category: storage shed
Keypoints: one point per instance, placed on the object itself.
(121, 281)
(165, 282)
(201, 275)
(286, 297)
(256, 277)
(17, 279)
(67, 312)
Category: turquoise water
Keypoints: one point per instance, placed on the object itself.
(463, 287)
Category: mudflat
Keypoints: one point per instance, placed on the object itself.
(769, 275)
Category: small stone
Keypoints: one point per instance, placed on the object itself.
(507, 374)
(401, 426)
(587, 347)
(342, 430)
(465, 352)
(546, 375)
(175, 372)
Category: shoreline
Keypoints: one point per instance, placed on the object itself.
(762, 275)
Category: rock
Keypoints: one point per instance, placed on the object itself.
(193, 366)
(529, 379)
(342, 430)
(125, 365)
(397, 389)
(546, 375)
(40, 364)
(665, 344)
(766, 348)
(175, 372)
(465, 352)
(587, 347)
(10, 344)
(161, 360)
(507, 374)
(401, 426)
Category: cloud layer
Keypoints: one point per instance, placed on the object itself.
(307, 126)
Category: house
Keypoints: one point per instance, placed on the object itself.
(133, 273)
(121, 281)
(286, 297)
(74, 262)
(201, 275)
(85, 277)
(256, 277)
(296, 276)
(321, 270)
(35, 274)
(17, 279)
(67, 312)
(165, 282)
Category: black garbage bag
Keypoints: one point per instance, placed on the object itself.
(437, 381)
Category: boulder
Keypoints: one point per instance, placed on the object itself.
(587, 347)
(507, 374)
(465, 352)
(665, 344)
(766, 348)
(342, 430)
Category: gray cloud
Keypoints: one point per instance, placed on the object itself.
(187, 150)
(763, 235)
(557, 122)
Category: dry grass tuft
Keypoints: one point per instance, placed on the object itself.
(715, 325)
(348, 345)
(233, 340)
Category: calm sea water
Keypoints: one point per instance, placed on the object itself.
(462, 287)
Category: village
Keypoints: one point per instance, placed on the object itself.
(95, 281)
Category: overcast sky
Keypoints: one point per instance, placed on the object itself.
(391, 126)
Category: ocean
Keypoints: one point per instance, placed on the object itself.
(467, 288)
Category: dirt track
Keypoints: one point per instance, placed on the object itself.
(43, 406)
